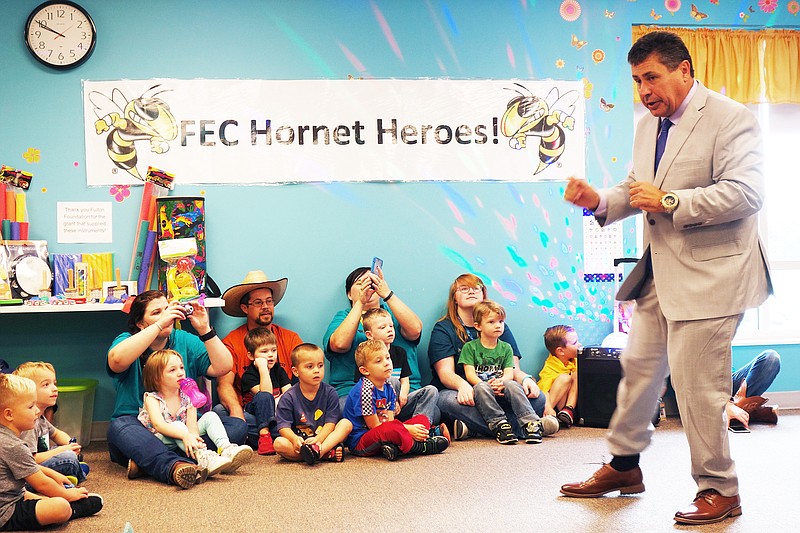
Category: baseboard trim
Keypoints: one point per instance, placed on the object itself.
(784, 400)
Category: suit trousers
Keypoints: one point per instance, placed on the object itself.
(697, 354)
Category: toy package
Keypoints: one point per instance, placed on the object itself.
(179, 254)
(183, 218)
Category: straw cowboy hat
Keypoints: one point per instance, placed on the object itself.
(255, 279)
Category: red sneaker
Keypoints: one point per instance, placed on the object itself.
(265, 446)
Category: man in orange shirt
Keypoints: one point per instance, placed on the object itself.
(255, 298)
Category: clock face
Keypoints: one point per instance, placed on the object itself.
(60, 34)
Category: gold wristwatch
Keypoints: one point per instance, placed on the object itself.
(670, 202)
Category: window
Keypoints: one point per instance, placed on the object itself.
(778, 319)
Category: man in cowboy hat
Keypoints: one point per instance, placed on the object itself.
(255, 298)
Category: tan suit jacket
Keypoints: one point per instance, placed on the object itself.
(706, 258)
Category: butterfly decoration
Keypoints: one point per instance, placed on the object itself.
(605, 106)
(609, 14)
(577, 43)
(750, 8)
(697, 15)
(655, 15)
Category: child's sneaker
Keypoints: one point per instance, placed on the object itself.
(213, 462)
(72, 481)
(390, 451)
(550, 425)
(430, 446)
(532, 432)
(309, 453)
(566, 416)
(265, 445)
(86, 506)
(460, 430)
(440, 431)
(238, 454)
(504, 433)
(85, 468)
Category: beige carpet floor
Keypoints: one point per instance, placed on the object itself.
(476, 485)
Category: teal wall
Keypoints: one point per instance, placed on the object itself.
(316, 233)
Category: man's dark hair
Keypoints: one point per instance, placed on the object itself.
(669, 47)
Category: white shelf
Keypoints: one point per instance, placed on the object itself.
(80, 308)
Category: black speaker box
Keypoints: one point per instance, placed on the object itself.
(599, 373)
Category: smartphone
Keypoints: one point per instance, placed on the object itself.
(377, 263)
(737, 427)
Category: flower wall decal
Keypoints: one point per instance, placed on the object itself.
(120, 192)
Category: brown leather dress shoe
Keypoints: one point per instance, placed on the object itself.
(765, 414)
(604, 481)
(709, 506)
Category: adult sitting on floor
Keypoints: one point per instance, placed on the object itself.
(255, 299)
(750, 382)
(365, 290)
(151, 327)
(450, 333)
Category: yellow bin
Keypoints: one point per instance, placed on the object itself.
(76, 408)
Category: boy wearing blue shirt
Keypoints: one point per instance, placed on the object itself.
(372, 405)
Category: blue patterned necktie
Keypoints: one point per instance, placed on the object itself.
(661, 143)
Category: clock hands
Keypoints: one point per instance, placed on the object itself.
(44, 26)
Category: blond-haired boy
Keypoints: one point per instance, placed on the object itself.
(19, 509)
(372, 405)
(65, 456)
(308, 418)
(489, 368)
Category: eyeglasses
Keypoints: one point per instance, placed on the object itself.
(262, 303)
(467, 290)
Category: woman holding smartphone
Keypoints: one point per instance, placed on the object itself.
(151, 327)
(367, 290)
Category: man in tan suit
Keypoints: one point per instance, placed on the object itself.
(702, 267)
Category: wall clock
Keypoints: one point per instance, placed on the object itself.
(60, 34)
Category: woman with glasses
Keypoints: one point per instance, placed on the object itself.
(451, 332)
(151, 322)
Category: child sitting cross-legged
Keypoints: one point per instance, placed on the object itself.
(371, 407)
(558, 379)
(263, 383)
(308, 418)
(64, 456)
(21, 510)
(169, 414)
(489, 368)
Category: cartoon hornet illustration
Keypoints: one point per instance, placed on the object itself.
(530, 116)
(146, 117)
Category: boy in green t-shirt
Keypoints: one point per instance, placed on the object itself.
(489, 368)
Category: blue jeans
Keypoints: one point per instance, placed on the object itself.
(66, 463)
(262, 407)
(420, 402)
(759, 373)
(129, 439)
(250, 422)
(492, 407)
(451, 410)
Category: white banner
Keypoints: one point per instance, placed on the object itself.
(259, 131)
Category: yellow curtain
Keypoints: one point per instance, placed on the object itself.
(731, 61)
(782, 66)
